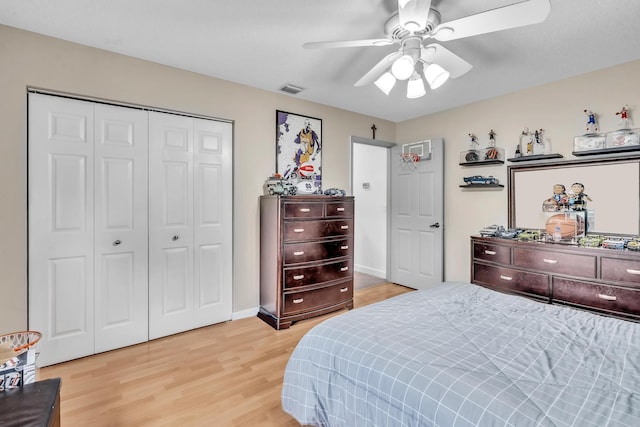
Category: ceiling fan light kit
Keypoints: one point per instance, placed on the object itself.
(386, 82)
(415, 86)
(415, 23)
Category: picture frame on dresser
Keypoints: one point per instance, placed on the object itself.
(299, 149)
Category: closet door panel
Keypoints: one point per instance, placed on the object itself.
(121, 227)
(61, 234)
(213, 226)
(171, 291)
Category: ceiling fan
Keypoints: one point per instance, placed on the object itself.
(415, 23)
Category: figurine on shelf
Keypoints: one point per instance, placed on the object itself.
(625, 121)
(538, 136)
(577, 197)
(474, 141)
(592, 125)
(492, 138)
(558, 202)
(492, 151)
(472, 154)
(518, 153)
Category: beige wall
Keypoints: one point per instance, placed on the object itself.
(31, 60)
(556, 107)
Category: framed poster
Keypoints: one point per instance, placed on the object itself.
(299, 151)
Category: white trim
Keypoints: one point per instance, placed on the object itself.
(250, 312)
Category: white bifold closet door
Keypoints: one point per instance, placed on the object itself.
(88, 228)
(130, 225)
(190, 250)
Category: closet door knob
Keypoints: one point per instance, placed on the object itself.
(176, 237)
(116, 243)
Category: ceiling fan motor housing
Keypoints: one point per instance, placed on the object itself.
(395, 31)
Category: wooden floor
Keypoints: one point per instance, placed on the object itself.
(228, 374)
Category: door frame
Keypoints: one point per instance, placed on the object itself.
(388, 145)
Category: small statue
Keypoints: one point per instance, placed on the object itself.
(625, 121)
(577, 197)
(592, 125)
(518, 153)
(559, 200)
(474, 141)
(492, 138)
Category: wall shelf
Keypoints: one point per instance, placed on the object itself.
(483, 162)
(482, 186)
(533, 157)
(611, 150)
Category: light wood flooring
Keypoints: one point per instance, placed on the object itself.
(229, 374)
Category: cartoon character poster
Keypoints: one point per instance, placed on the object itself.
(299, 151)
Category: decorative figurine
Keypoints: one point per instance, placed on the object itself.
(472, 154)
(518, 153)
(577, 197)
(625, 121)
(558, 202)
(592, 125)
(492, 151)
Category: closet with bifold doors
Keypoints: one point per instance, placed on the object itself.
(130, 224)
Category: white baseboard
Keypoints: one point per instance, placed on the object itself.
(251, 312)
(369, 270)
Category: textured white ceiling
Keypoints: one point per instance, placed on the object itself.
(259, 43)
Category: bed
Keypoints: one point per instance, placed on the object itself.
(463, 355)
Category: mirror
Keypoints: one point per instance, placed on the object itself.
(612, 184)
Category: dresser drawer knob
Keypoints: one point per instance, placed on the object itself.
(488, 252)
(550, 261)
(298, 277)
(305, 210)
(607, 297)
(298, 230)
(298, 300)
(630, 271)
(345, 289)
(340, 209)
(344, 247)
(344, 269)
(298, 253)
(506, 277)
(344, 227)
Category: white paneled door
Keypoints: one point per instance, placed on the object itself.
(417, 219)
(120, 227)
(61, 228)
(129, 225)
(189, 222)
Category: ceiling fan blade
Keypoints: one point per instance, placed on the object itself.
(448, 60)
(378, 69)
(503, 18)
(348, 43)
(413, 14)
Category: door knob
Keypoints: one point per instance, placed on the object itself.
(436, 225)
(116, 243)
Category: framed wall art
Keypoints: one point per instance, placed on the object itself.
(299, 151)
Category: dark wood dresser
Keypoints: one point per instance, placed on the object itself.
(306, 257)
(596, 279)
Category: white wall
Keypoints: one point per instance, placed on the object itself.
(370, 166)
(555, 107)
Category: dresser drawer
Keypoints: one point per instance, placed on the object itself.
(621, 270)
(604, 297)
(311, 300)
(296, 253)
(304, 276)
(303, 210)
(307, 230)
(339, 209)
(508, 279)
(555, 262)
(494, 253)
